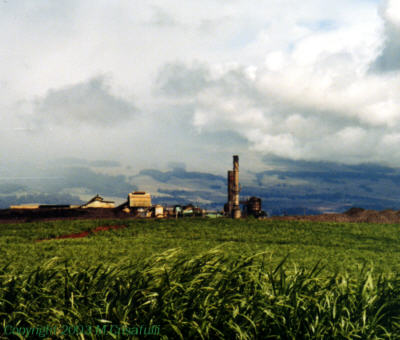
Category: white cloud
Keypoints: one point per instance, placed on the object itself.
(315, 101)
(392, 11)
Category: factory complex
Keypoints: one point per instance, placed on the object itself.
(139, 204)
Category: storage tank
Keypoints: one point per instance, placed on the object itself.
(254, 206)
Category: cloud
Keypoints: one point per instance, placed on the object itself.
(68, 176)
(88, 103)
(324, 107)
(281, 77)
(177, 165)
(92, 182)
(388, 59)
(177, 79)
(74, 161)
(328, 172)
(9, 188)
(179, 174)
(105, 163)
(162, 18)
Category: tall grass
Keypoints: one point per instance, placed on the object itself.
(209, 296)
(342, 245)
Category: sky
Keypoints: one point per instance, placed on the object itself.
(119, 87)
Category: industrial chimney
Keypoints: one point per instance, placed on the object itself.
(233, 189)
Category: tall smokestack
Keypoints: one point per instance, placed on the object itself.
(230, 192)
(235, 188)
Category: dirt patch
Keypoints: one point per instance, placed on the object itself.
(83, 233)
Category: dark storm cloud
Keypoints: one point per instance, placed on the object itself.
(85, 103)
(329, 172)
(298, 165)
(389, 60)
(325, 186)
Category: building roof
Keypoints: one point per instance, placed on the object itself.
(98, 198)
